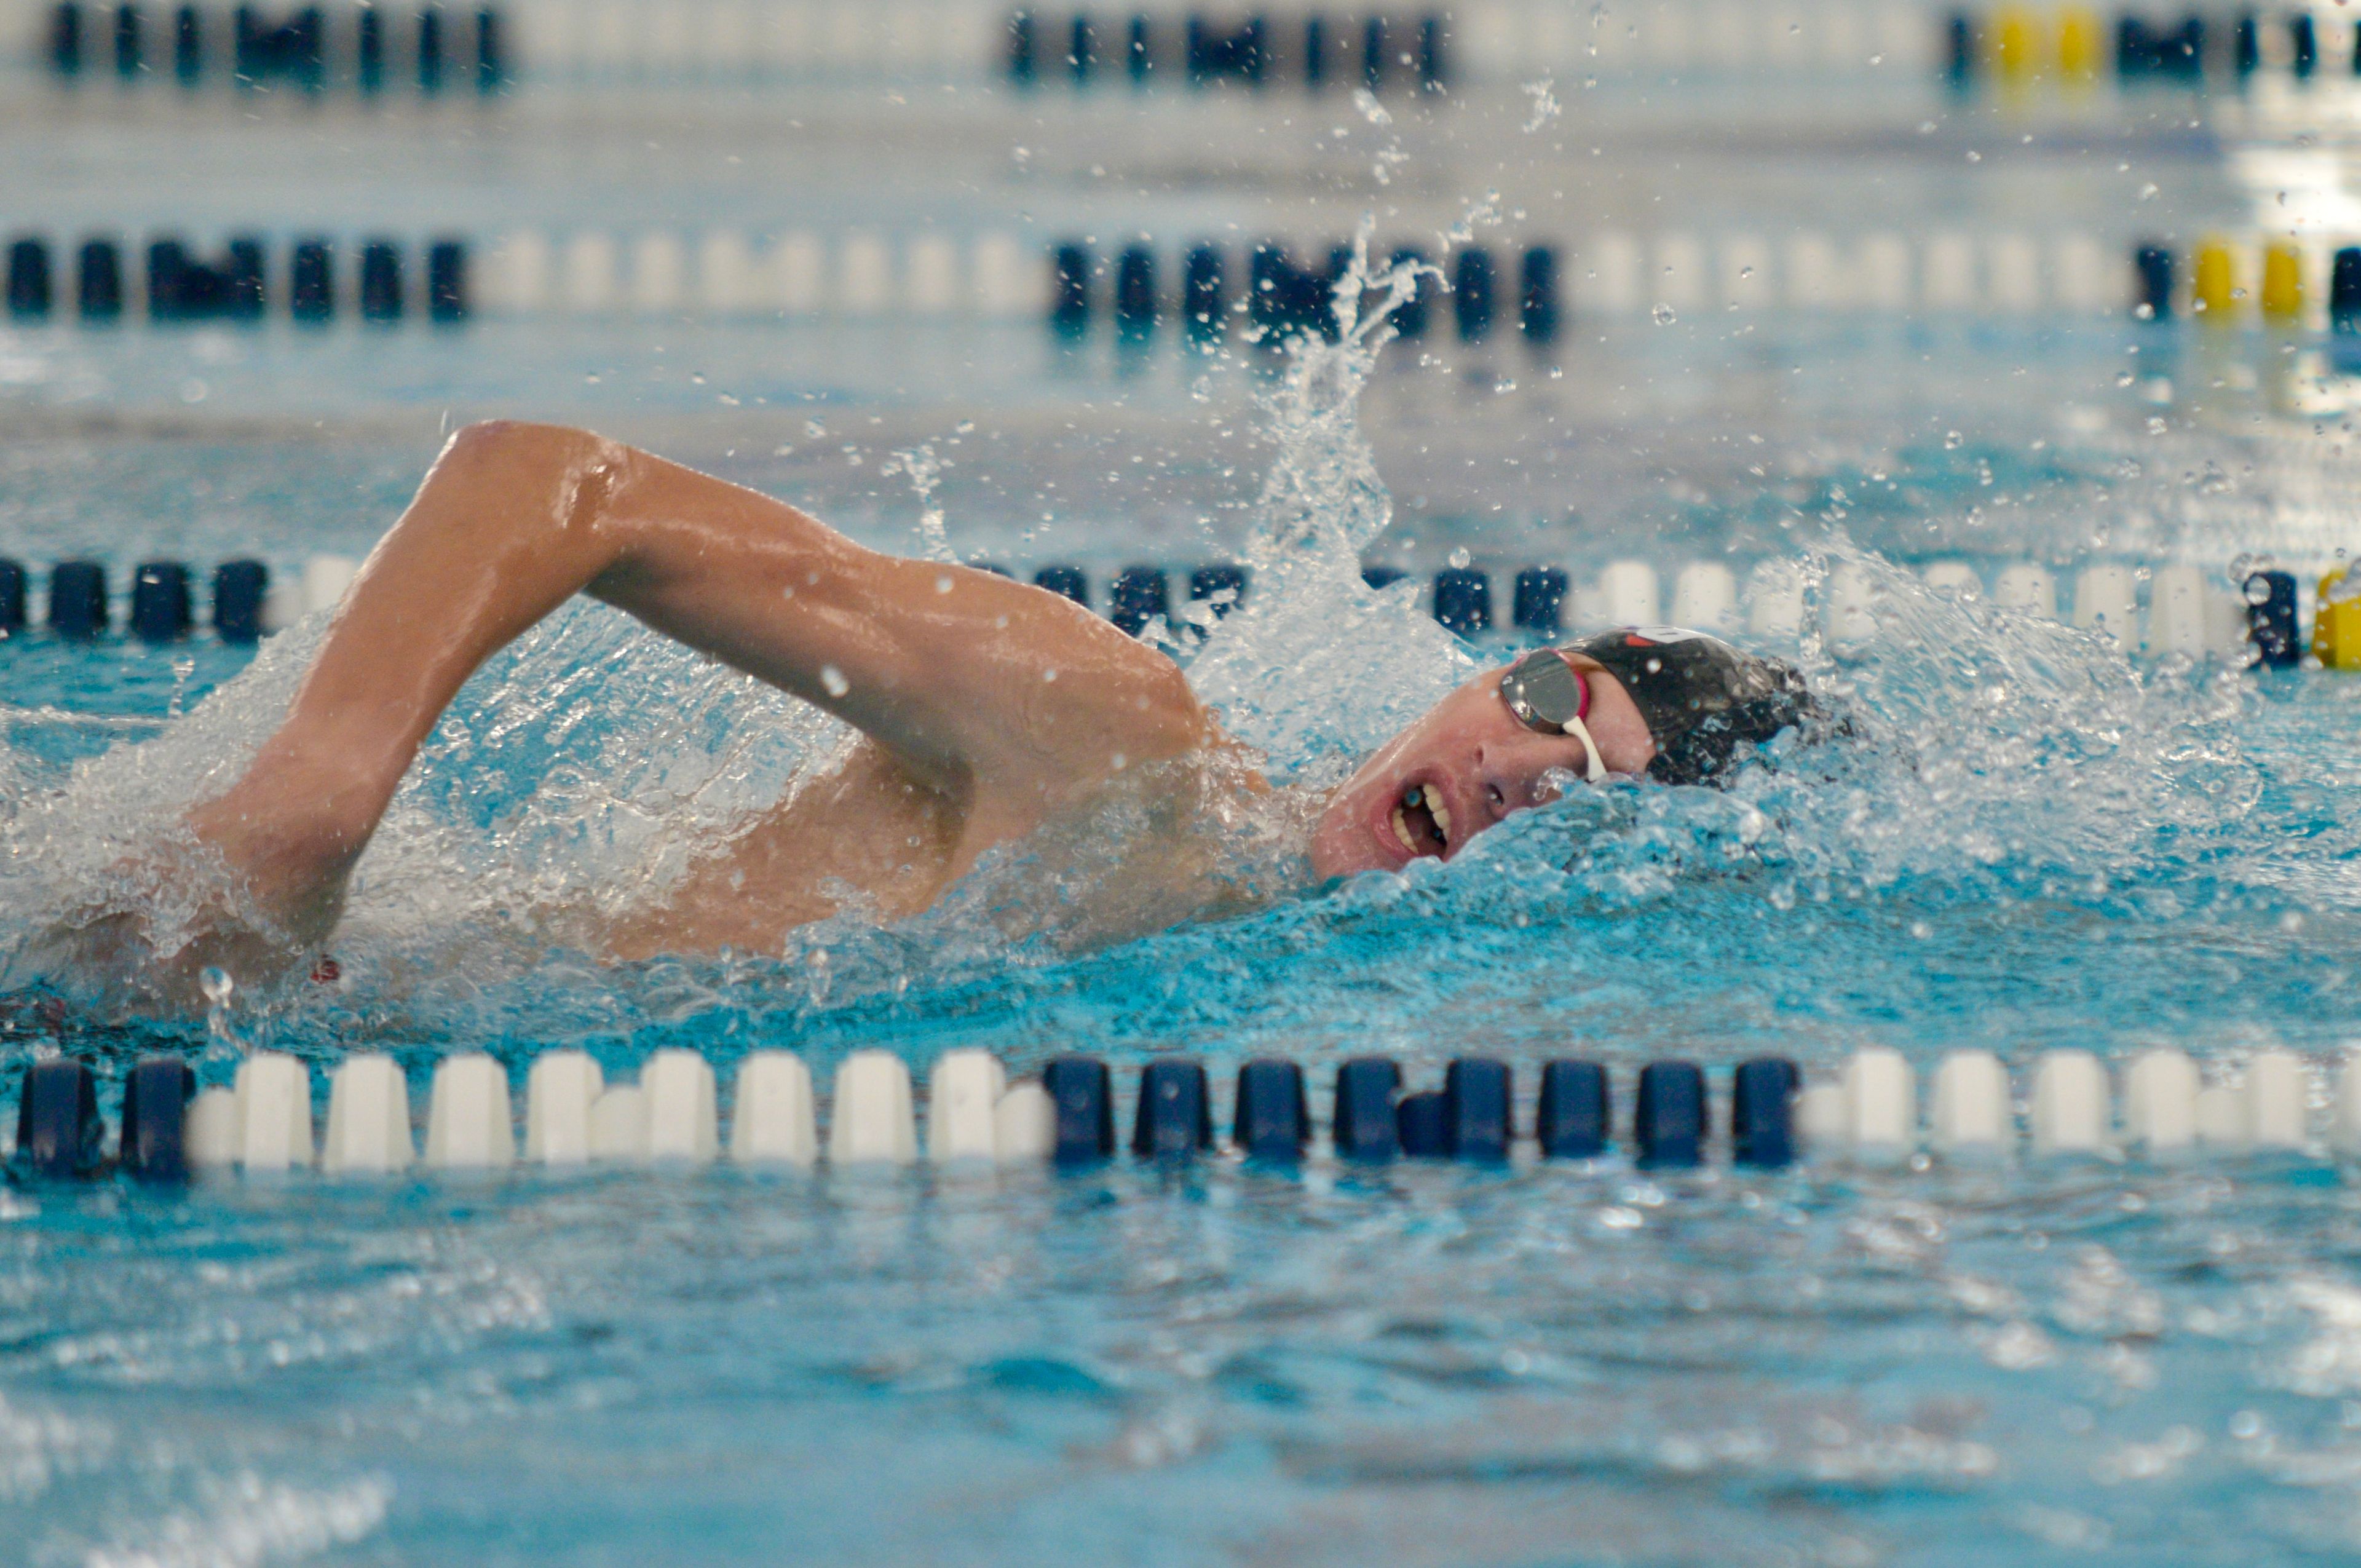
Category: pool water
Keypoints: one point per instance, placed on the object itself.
(2039, 843)
(2036, 841)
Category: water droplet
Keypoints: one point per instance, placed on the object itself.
(1459, 559)
(833, 680)
(1662, 315)
(1952, 440)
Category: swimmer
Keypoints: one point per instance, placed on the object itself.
(986, 712)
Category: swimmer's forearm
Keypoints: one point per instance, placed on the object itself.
(961, 673)
(508, 525)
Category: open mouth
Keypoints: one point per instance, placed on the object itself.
(1422, 822)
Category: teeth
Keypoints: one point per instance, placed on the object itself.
(1401, 831)
(1442, 815)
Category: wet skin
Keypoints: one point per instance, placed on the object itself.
(1466, 763)
(984, 708)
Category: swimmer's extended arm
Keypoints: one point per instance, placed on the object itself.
(1005, 696)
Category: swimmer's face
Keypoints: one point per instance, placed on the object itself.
(1464, 765)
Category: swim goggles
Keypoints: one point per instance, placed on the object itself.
(1550, 695)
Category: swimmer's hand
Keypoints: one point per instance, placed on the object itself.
(161, 919)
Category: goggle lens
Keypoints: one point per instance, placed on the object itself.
(1550, 695)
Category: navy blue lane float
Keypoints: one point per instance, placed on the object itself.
(76, 600)
(1480, 1110)
(1364, 1126)
(1082, 1095)
(1668, 1119)
(1285, 296)
(1316, 53)
(1176, 1110)
(160, 610)
(239, 283)
(1762, 1132)
(1069, 582)
(1138, 596)
(1423, 1124)
(1472, 1118)
(303, 46)
(1538, 604)
(1573, 1119)
(1462, 600)
(1274, 1112)
(59, 1132)
(2271, 619)
(155, 1120)
(163, 608)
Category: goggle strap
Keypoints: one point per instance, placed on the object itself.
(1592, 769)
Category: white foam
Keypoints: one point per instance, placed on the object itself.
(1954, 577)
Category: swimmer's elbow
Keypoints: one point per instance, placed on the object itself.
(1173, 713)
(511, 453)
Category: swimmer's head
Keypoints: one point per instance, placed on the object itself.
(1677, 707)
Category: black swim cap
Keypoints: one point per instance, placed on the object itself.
(1701, 697)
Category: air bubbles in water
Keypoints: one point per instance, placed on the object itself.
(1662, 315)
(217, 986)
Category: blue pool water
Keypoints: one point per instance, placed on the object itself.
(2040, 845)
(2036, 842)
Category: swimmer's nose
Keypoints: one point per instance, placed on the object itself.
(1507, 785)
